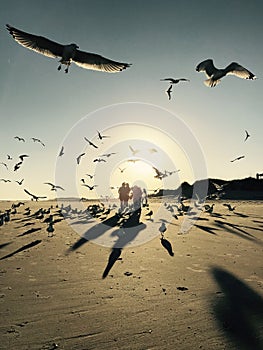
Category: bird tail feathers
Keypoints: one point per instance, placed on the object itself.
(211, 82)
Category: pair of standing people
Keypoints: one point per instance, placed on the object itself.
(124, 194)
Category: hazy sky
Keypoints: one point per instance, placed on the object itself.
(161, 39)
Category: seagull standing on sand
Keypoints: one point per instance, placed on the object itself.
(214, 74)
(68, 53)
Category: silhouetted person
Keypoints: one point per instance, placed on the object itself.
(124, 192)
(144, 197)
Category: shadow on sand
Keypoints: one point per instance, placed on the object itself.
(239, 311)
(27, 246)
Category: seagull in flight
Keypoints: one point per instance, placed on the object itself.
(67, 53)
(214, 74)
(61, 152)
(174, 81)
(90, 187)
(9, 157)
(169, 92)
(100, 136)
(19, 182)
(22, 156)
(90, 143)
(238, 158)
(4, 164)
(4, 180)
(37, 140)
(79, 157)
(99, 160)
(134, 151)
(121, 170)
(17, 166)
(108, 154)
(54, 187)
(247, 135)
(20, 138)
(34, 196)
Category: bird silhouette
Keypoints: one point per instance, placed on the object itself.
(108, 154)
(5, 180)
(17, 165)
(34, 197)
(54, 187)
(22, 156)
(37, 140)
(9, 157)
(61, 152)
(90, 187)
(68, 53)
(162, 228)
(99, 160)
(169, 92)
(122, 170)
(150, 214)
(214, 74)
(20, 138)
(90, 143)
(133, 150)
(5, 165)
(238, 158)
(229, 206)
(174, 81)
(20, 182)
(101, 137)
(79, 157)
(247, 135)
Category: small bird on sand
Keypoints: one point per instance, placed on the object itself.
(209, 208)
(162, 228)
(149, 214)
(229, 206)
(68, 53)
(214, 74)
(247, 135)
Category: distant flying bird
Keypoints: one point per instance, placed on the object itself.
(5, 180)
(9, 157)
(37, 140)
(121, 170)
(20, 138)
(54, 187)
(90, 176)
(238, 158)
(4, 164)
(247, 135)
(174, 81)
(215, 74)
(19, 182)
(159, 175)
(90, 187)
(22, 156)
(79, 157)
(169, 92)
(100, 136)
(34, 197)
(68, 53)
(108, 154)
(99, 160)
(17, 166)
(133, 160)
(90, 143)
(61, 152)
(153, 150)
(133, 150)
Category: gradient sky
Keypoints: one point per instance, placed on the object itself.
(161, 39)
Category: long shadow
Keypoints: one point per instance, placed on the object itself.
(4, 244)
(96, 231)
(241, 215)
(27, 246)
(28, 232)
(239, 312)
(207, 229)
(167, 245)
(130, 228)
(236, 230)
(114, 256)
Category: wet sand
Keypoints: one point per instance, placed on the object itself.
(208, 295)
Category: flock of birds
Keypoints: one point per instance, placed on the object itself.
(69, 54)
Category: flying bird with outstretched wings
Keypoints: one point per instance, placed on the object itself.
(20, 138)
(169, 92)
(34, 196)
(54, 187)
(247, 135)
(90, 143)
(174, 81)
(214, 74)
(238, 158)
(37, 140)
(67, 53)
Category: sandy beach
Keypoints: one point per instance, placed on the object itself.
(207, 295)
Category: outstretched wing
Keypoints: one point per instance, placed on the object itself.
(36, 43)
(239, 71)
(96, 62)
(206, 66)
